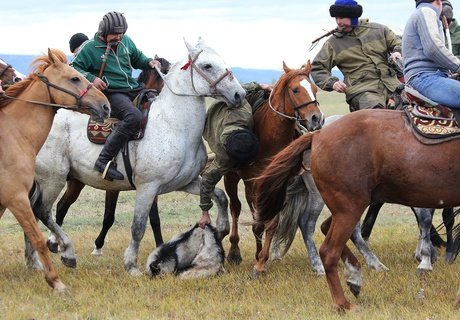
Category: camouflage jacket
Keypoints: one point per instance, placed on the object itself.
(362, 57)
(454, 30)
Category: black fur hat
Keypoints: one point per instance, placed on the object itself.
(346, 9)
(242, 145)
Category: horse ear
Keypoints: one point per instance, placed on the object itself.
(51, 56)
(307, 67)
(156, 57)
(286, 68)
(200, 43)
(190, 48)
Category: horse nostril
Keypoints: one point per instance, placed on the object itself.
(106, 109)
(17, 79)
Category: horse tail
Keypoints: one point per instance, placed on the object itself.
(294, 206)
(272, 184)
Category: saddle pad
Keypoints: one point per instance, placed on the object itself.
(435, 124)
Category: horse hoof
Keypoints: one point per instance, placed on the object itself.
(52, 246)
(421, 272)
(60, 288)
(234, 259)
(97, 252)
(382, 268)
(354, 288)
(69, 262)
(254, 274)
(319, 272)
(450, 257)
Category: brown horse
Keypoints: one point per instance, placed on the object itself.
(292, 102)
(151, 80)
(368, 155)
(26, 114)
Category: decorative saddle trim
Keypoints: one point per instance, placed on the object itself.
(431, 123)
(98, 132)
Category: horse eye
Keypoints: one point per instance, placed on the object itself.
(207, 67)
(75, 79)
(295, 90)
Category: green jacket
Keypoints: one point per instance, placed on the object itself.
(362, 57)
(119, 66)
(454, 30)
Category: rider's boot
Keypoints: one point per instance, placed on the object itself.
(112, 146)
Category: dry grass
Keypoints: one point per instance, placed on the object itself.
(101, 289)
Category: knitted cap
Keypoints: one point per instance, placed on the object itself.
(76, 40)
(242, 145)
(417, 2)
(112, 23)
(346, 9)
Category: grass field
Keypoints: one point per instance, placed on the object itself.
(100, 288)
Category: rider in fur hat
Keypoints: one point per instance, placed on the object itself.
(360, 50)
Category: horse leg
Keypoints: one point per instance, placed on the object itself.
(307, 223)
(154, 217)
(369, 220)
(436, 239)
(68, 257)
(21, 209)
(71, 195)
(111, 198)
(231, 180)
(371, 259)
(338, 230)
(264, 253)
(448, 217)
(145, 196)
(425, 252)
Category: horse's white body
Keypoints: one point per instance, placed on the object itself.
(168, 158)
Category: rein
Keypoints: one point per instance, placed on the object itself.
(212, 84)
(48, 85)
(296, 118)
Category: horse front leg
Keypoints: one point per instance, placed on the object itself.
(425, 252)
(231, 180)
(155, 223)
(371, 259)
(22, 211)
(448, 217)
(262, 258)
(111, 198)
(369, 220)
(145, 196)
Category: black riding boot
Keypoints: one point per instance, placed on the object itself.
(112, 146)
(456, 113)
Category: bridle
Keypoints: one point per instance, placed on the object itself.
(212, 84)
(296, 108)
(48, 84)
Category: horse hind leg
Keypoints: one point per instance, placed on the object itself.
(264, 253)
(23, 213)
(111, 198)
(448, 218)
(231, 180)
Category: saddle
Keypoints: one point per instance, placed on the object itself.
(98, 132)
(431, 122)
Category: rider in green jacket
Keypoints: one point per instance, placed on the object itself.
(107, 61)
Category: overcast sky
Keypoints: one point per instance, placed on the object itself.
(246, 33)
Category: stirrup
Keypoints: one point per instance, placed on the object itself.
(106, 169)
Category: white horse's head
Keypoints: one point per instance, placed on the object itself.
(210, 75)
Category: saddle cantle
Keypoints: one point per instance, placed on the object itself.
(98, 132)
(431, 123)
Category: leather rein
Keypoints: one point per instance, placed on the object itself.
(45, 80)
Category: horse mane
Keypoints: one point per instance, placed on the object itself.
(38, 65)
(144, 75)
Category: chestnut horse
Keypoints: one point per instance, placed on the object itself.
(26, 114)
(292, 102)
(368, 155)
(151, 80)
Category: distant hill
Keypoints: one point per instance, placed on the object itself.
(22, 64)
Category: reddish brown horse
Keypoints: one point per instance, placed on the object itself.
(26, 114)
(8, 74)
(292, 103)
(369, 155)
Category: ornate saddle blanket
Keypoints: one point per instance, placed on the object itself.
(98, 132)
(431, 123)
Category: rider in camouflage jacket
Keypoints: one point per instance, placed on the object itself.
(362, 56)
